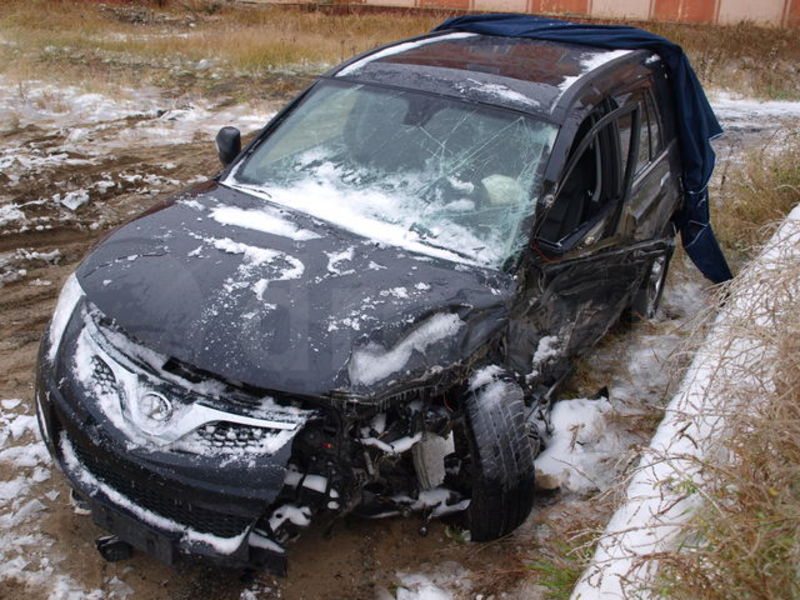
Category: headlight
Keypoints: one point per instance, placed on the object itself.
(68, 299)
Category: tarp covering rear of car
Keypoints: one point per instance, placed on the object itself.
(697, 124)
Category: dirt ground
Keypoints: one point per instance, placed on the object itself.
(48, 551)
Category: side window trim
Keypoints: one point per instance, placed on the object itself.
(592, 134)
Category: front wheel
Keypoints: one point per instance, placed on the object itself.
(502, 471)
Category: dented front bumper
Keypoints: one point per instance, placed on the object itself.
(165, 499)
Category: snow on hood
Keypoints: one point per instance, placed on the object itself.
(284, 310)
(373, 362)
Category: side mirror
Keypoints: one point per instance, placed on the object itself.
(229, 144)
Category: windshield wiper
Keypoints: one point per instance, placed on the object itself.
(249, 187)
(425, 236)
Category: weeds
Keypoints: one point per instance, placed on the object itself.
(246, 39)
(744, 543)
(557, 574)
(757, 194)
(251, 40)
(751, 59)
(564, 551)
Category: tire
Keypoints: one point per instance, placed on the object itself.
(502, 472)
(648, 297)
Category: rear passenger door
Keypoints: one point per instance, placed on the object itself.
(655, 193)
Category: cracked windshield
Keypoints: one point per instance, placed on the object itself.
(437, 176)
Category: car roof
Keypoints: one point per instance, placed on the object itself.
(535, 76)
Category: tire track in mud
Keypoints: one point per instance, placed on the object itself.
(40, 249)
(39, 252)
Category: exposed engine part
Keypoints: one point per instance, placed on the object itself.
(429, 459)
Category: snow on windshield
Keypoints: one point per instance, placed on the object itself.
(436, 176)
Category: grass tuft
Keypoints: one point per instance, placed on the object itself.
(755, 194)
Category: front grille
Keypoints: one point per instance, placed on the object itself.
(103, 377)
(181, 511)
(172, 376)
(232, 436)
(229, 438)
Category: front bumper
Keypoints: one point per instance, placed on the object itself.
(170, 503)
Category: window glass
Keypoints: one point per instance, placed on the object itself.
(624, 125)
(655, 127)
(644, 141)
(419, 171)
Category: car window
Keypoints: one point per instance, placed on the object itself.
(323, 124)
(408, 167)
(654, 127)
(643, 158)
(584, 194)
(649, 132)
(625, 125)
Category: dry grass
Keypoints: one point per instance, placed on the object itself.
(121, 39)
(756, 193)
(750, 59)
(745, 541)
(244, 38)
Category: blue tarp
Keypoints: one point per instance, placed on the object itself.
(697, 124)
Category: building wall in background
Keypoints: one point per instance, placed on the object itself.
(781, 13)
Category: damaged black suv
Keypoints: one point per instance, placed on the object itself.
(368, 310)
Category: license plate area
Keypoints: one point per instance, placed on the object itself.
(138, 534)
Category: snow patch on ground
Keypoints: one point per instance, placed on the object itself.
(29, 557)
(738, 112)
(594, 439)
(582, 445)
(449, 581)
(88, 128)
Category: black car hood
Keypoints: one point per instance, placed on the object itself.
(285, 302)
